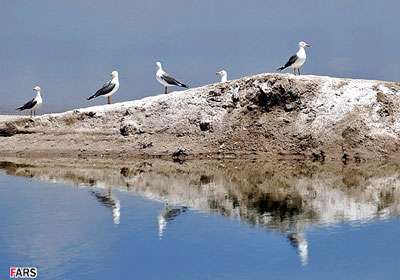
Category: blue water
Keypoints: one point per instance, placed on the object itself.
(69, 234)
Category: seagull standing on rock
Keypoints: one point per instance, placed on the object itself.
(166, 80)
(223, 75)
(33, 104)
(109, 88)
(297, 60)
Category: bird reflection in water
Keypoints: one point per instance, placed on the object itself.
(169, 213)
(109, 200)
(299, 242)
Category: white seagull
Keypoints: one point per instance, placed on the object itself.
(33, 104)
(109, 88)
(223, 75)
(297, 60)
(167, 80)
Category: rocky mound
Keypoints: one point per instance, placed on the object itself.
(271, 116)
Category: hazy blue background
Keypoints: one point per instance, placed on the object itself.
(70, 47)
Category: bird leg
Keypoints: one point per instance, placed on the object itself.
(165, 90)
(34, 113)
(31, 113)
(298, 70)
(294, 71)
(108, 99)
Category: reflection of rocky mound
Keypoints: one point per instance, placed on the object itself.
(286, 197)
(259, 193)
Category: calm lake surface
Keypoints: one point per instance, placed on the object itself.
(200, 220)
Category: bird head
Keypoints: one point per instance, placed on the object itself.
(158, 65)
(36, 88)
(114, 74)
(221, 73)
(303, 44)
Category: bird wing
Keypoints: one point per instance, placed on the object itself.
(291, 61)
(106, 88)
(29, 105)
(172, 81)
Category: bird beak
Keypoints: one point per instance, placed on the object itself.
(216, 73)
(308, 46)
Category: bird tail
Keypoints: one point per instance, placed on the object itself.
(281, 68)
(91, 97)
(20, 108)
(183, 85)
